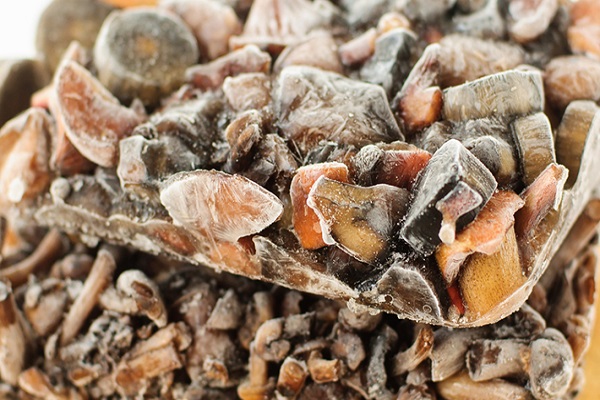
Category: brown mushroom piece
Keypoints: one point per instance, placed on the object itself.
(93, 119)
(292, 375)
(248, 91)
(461, 387)
(19, 79)
(420, 350)
(45, 303)
(359, 220)
(529, 19)
(319, 50)
(570, 78)
(227, 312)
(13, 346)
(136, 285)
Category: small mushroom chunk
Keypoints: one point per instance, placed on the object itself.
(485, 235)
(135, 284)
(219, 206)
(359, 49)
(211, 76)
(243, 134)
(99, 277)
(389, 65)
(308, 113)
(498, 155)
(319, 51)
(541, 197)
(485, 23)
(13, 343)
(348, 347)
(361, 321)
(551, 365)
(268, 342)
(466, 58)
(489, 359)
(426, 12)
(248, 91)
(74, 266)
(36, 383)
(451, 164)
(158, 355)
(306, 222)
(44, 305)
(292, 375)
(227, 312)
(509, 93)
(461, 387)
(529, 19)
(211, 22)
(380, 345)
(410, 358)
(488, 280)
(257, 386)
(449, 349)
(93, 119)
(143, 53)
(397, 164)
(292, 20)
(584, 32)
(322, 370)
(419, 101)
(359, 220)
(416, 392)
(572, 134)
(260, 310)
(570, 78)
(24, 171)
(19, 80)
(535, 144)
(459, 201)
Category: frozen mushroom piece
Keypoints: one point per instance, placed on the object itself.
(319, 50)
(19, 79)
(572, 77)
(93, 118)
(461, 387)
(143, 53)
(248, 91)
(572, 134)
(249, 59)
(509, 93)
(584, 32)
(529, 19)
(313, 105)
(13, 346)
(358, 50)
(211, 22)
(485, 23)
(135, 284)
(359, 220)
(451, 164)
(292, 375)
(535, 145)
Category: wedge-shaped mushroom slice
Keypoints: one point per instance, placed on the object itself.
(488, 280)
(535, 144)
(93, 118)
(359, 220)
(504, 94)
(484, 235)
(571, 135)
(451, 164)
(219, 206)
(25, 142)
(313, 105)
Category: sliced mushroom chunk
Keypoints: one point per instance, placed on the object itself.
(572, 134)
(535, 145)
(359, 220)
(451, 164)
(210, 203)
(509, 93)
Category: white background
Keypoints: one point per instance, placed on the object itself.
(18, 22)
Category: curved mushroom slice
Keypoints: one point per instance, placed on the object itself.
(484, 235)
(359, 220)
(319, 51)
(219, 206)
(25, 143)
(290, 20)
(94, 120)
(312, 105)
(507, 93)
(571, 78)
(529, 19)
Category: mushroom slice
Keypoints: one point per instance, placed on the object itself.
(359, 220)
(219, 206)
(484, 235)
(94, 120)
(461, 387)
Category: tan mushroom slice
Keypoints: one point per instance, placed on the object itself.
(570, 78)
(584, 32)
(25, 143)
(571, 135)
(484, 235)
(487, 281)
(359, 220)
(13, 345)
(508, 93)
(219, 206)
(535, 144)
(292, 375)
(136, 285)
(306, 221)
(94, 120)
(529, 19)
(461, 387)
